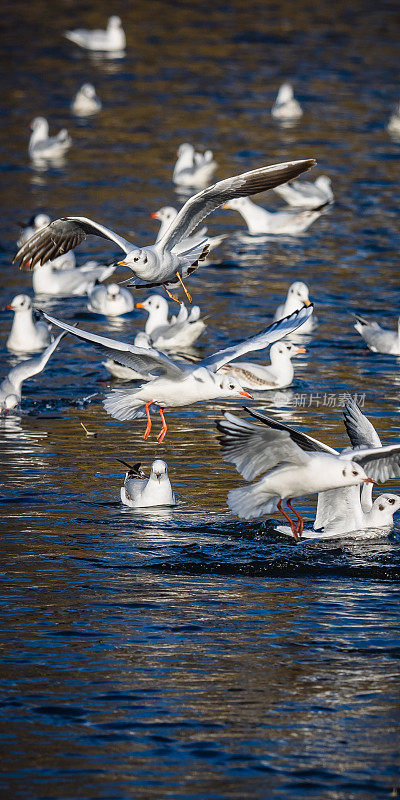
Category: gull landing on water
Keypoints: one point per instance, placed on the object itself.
(169, 261)
(173, 384)
(141, 492)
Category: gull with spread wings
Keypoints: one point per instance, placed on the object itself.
(171, 383)
(170, 259)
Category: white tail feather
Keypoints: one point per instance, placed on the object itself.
(122, 404)
(248, 502)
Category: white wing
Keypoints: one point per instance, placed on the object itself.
(339, 508)
(34, 365)
(361, 431)
(63, 235)
(380, 463)
(273, 333)
(253, 449)
(244, 185)
(147, 361)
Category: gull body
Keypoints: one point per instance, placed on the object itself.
(109, 40)
(297, 296)
(277, 375)
(379, 340)
(175, 384)
(169, 334)
(11, 386)
(168, 260)
(111, 300)
(192, 169)
(54, 282)
(27, 335)
(286, 107)
(307, 194)
(45, 147)
(260, 221)
(86, 101)
(141, 492)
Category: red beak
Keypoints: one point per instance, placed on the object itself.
(367, 480)
(154, 215)
(139, 305)
(246, 394)
(9, 307)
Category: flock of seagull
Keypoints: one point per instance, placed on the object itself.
(292, 464)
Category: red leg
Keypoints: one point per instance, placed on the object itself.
(290, 521)
(163, 430)
(300, 524)
(148, 428)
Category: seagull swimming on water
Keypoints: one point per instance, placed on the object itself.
(169, 260)
(27, 335)
(172, 384)
(379, 340)
(141, 492)
(86, 102)
(111, 40)
(43, 147)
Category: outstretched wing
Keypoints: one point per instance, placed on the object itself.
(36, 364)
(380, 463)
(244, 185)
(148, 362)
(307, 443)
(273, 333)
(360, 430)
(61, 236)
(253, 449)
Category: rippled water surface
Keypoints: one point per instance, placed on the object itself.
(181, 653)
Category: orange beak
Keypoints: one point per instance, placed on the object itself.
(246, 394)
(307, 303)
(367, 480)
(139, 305)
(154, 215)
(301, 350)
(9, 307)
(122, 264)
(225, 206)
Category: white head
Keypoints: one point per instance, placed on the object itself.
(112, 291)
(298, 291)
(229, 387)
(39, 125)
(284, 351)
(10, 401)
(352, 474)
(285, 93)
(20, 303)
(383, 508)
(155, 305)
(41, 221)
(159, 470)
(185, 149)
(323, 182)
(88, 90)
(165, 214)
(139, 260)
(237, 204)
(114, 22)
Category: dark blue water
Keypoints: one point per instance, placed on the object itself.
(182, 653)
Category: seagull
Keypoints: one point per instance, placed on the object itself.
(193, 170)
(260, 221)
(141, 492)
(111, 40)
(166, 335)
(340, 505)
(379, 518)
(49, 281)
(86, 101)
(36, 223)
(393, 125)
(168, 260)
(277, 375)
(379, 340)
(175, 384)
(111, 300)
(297, 296)
(27, 335)
(307, 194)
(166, 216)
(295, 464)
(42, 147)
(11, 386)
(286, 108)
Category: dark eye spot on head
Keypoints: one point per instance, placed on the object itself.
(391, 500)
(355, 472)
(381, 507)
(344, 473)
